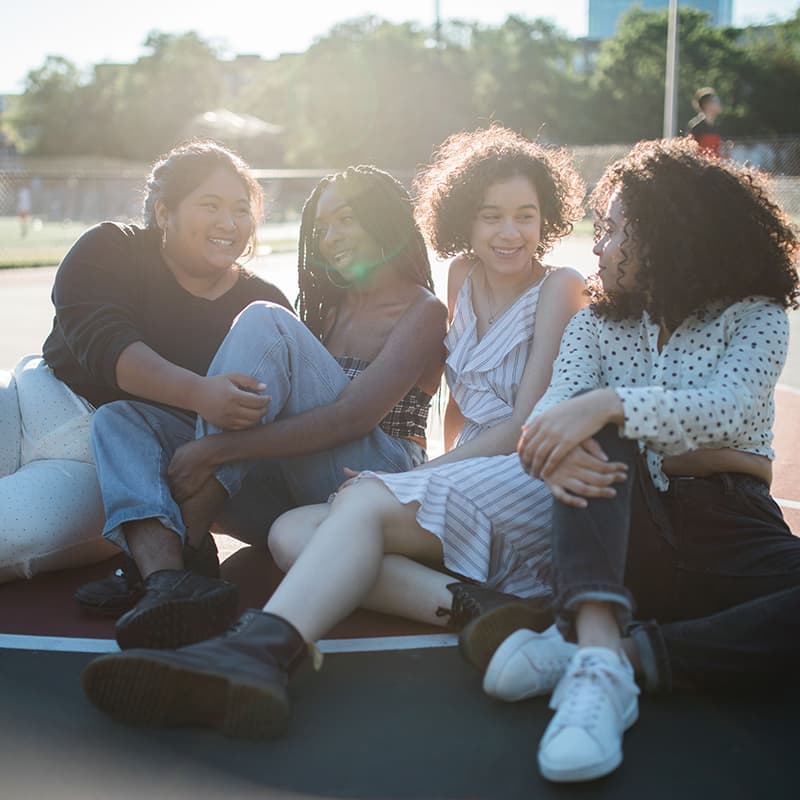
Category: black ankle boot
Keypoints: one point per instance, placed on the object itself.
(120, 591)
(235, 683)
(178, 608)
(486, 618)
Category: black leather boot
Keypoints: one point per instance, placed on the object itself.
(486, 618)
(178, 608)
(235, 683)
(120, 591)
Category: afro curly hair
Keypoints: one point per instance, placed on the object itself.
(701, 230)
(450, 190)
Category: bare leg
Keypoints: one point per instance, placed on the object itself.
(341, 564)
(201, 509)
(404, 588)
(153, 546)
(597, 626)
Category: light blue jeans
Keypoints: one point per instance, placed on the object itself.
(134, 441)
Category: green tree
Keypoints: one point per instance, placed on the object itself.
(370, 91)
(163, 90)
(628, 86)
(523, 77)
(47, 117)
(774, 99)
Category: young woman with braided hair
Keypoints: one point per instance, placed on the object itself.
(346, 385)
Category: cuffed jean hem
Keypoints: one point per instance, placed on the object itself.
(652, 650)
(113, 527)
(569, 601)
(230, 478)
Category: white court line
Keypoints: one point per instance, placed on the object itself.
(67, 644)
(788, 503)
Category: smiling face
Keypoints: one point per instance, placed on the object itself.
(616, 250)
(344, 245)
(210, 227)
(507, 227)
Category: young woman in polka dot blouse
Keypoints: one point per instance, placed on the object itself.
(674, 366)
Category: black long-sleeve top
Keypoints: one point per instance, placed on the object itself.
(113, 289)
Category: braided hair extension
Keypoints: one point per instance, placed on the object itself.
(383, 208)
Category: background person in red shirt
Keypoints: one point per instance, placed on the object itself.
(701, 127)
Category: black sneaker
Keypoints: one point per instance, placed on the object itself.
(486, 618)
(120, 591)
(114, 595)
(178, 608)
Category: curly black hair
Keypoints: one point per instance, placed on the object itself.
(450, 190)
(382, 206)
(703, 231)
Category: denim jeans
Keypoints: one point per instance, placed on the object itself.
(711, 562)
(271, 344)
(134, 441)
(133, 445)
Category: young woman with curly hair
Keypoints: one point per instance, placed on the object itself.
(497, 201)
(671, 372)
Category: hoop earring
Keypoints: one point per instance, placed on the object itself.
(164, 238)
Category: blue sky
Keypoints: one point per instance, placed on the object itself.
(91, 31)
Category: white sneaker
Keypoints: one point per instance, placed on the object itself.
(596, 703)
(527, 664)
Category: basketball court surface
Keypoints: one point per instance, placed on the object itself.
(394, 712)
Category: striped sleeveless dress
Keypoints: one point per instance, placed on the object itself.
(492, 518)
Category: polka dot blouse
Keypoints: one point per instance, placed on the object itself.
(710, 386)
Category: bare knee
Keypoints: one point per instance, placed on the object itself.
(291, 532)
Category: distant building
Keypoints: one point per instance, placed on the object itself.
(604, 15)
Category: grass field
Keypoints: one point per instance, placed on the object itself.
(46, 243)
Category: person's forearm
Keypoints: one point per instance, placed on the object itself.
(613, 406)
(310, 432)
(143, 373)
(499, 440)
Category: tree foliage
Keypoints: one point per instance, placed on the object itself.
(374, 91)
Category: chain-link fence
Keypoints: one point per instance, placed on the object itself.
(82, 191)
(779, 157)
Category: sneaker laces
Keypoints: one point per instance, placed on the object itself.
(587, 683)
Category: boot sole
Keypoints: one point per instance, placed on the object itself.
(177, 623)
(140, 689)
(480, 637)
(105, 609)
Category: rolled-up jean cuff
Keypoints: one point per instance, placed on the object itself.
(652, 651)
(568, 602)
(113, 528)
(230, 478)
